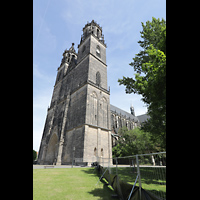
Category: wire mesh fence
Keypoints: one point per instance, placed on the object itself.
(146, 171)
(153, 173)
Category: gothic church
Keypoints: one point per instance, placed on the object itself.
(81, 124)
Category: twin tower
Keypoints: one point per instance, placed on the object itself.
(77, 125)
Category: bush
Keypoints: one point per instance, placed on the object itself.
(34, 155)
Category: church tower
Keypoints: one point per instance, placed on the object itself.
(78, 119)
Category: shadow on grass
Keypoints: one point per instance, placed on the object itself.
(91, 171)
(150, 182)
(104, 193)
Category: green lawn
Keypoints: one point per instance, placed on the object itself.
(68, 183)
(80, 183)
(152, 179)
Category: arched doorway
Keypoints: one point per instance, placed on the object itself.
(52, 149)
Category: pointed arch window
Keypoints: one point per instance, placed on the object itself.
(95, 151)
(93, 108)
(103, 113)
(98, 78)
(98, 51)
(101, 151)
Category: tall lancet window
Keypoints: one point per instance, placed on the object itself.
(98, 78)
(95, 151)
(98, 51)
(93, 108)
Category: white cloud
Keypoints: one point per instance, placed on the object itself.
(43, 38)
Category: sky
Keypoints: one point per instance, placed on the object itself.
(59, 23)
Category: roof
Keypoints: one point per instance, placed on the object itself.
(143, 118)
(122, 112)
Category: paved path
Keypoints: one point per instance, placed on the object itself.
(69, 166)
(56, 166)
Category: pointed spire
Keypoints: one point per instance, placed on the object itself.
(72, 48)
(132, 110)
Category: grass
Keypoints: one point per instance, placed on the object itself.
(68, 183)
(152, 179)
(80, 183)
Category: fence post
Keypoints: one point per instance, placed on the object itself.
(116, 167)
(118, 185)
(138, 172)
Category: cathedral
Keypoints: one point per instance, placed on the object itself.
(81, 125)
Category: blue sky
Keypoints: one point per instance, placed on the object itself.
(58, 23)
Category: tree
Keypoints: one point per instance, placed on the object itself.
(133, 142)
(34, 155)
(150, 79)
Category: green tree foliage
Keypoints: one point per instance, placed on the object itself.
(34, 155)
(150, 78)
(133, 142)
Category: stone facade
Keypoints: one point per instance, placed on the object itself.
(120, 118)
(81, 124)
(78, 119)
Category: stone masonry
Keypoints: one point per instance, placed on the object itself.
(78, 123)
(81, 125)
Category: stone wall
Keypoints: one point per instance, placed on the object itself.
(79, 112)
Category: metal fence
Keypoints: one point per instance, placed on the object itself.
(147, 171)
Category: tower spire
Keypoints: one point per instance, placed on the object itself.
(94, 29)
(132, 110)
